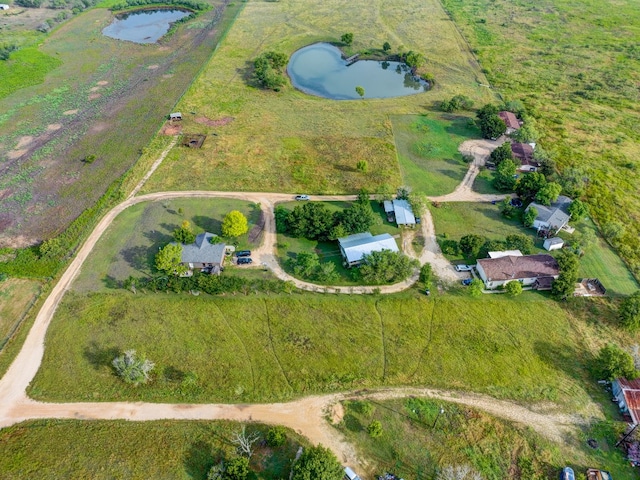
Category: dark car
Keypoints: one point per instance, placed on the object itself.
(244, 261)
(243, 253)
(418, 220)
(567, 474)
(466, 282)
(516, 202)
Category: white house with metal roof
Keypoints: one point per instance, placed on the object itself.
(404, 213)
(356, 246)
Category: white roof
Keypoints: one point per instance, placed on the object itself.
(360, 244)
(388, 206)
(554, 241)
(404, 213)
(506, 253)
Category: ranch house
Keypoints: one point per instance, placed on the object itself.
(204, 254)
(537, 271)
(356, 246)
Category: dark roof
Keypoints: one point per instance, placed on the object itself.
(509, 119)
(203, 251)
(515, 268)
(524, 153)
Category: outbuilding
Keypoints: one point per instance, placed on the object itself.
(175, 116)
(404, 213)
(356, 246)
(4, 6)
(554, 243)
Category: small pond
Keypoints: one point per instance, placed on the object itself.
(319, 69)
(143, 26)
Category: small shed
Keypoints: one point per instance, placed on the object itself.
(175, 116)
(4, 6)
(553, 243)
(404, 213)
(388, 210)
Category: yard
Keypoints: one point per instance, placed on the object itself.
(417, 441)
(16, 296)
(129, 245)
(76, 449)
(329, 252)
(263, 348)
(427, 146)
(288, 141)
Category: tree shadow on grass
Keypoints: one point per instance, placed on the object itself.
(173, 374)
(198, 459)
(100, 357)
(139, 257)
(352, 423)
(208, 224)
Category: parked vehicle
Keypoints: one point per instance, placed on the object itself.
(467, 281)
(243, 253)
(350, 474)
(463, 268)
(516, 202)
(244, 260)
(418, 220)
(567, 474)
(302, 197)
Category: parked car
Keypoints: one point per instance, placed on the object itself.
(243, 253)
(463, 268)
(467, 281)
(244, 260)
(567, 474)
(350, 474)
(516, 202)
(418, 220)
(302, 197)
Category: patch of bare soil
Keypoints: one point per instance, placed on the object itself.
(13, 154)
(24, 141)
(337, 413)
(94, 89)
(99, 127)
(221, 122)
(52, 127)
(102, 83)
(171, 128)
(70, 112)
(153, 67)
(167, 75)
(93, 96)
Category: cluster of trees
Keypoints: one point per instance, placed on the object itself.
(347, 38)
(629, 312)
(613, 362)
(491, 125)
(307, 265)
(29, 3)
(478, 246)
(413, 59)
(456, 103)
(267, 69)
(5, 51)
(386, 267)
(190, 4)
(565, 284)
(315, 221)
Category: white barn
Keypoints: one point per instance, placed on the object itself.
(356, 246)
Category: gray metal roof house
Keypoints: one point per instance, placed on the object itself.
(355, 246)
(404, 213)
(553, 217)
(202, 253)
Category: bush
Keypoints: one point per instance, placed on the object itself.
(426, 274)
(268, 70)
(513, 288)
(234, 224)
(374, 429)
(386, 267)
(133, 369)
(5, 51)
(29, 3)
(317, 463)
(613, 362)
(347, 38)
(276, 437)
(629, 312)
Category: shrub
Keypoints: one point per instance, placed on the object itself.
(613, 362)
(362, 165)
(629, 312)
(234, 224)
(133, 369)
(426, 274)
(347, 38)
(374, 429)
(268, 70)
(276, 436)
(513, 288)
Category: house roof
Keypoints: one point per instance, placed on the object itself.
(388, 206)
(554, 241)
(631, 392)
(203, 251)
(524, 153)
(404, 213)
(556, 214)
(509, 119)
(505, 253)
(360, 244)
(515, 268)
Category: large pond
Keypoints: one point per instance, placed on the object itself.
(319, 69)
(143, 26)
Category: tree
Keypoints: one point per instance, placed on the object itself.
(403, 193)
(312, 220)
(565, 284)
(526, 134)
(267, 69)
(426, 275)
(234, 224)
(358, 218)
(374, 429)
(529, 216)
(386, 267)
(414, 59)
(276, 436)
(236, 469)
(506, 209)
(133, 369)
(486, 111)
(578, 210)
(548, 193)
(519, 241)
(386, 46)
(530, 184)
(360, 91)
(471, 244)
(347, 38)
(476, 287)
(513, 288)
(492, 127)
(282, 219)
(613, 362)
(457, 102)
(317, 463)
(244, 441)
(503, 152)
(305, 264)
(418, 202)
(168, 260)
(629, 311)
(184, 233)
(504, 177)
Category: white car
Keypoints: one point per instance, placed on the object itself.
(302, 197)
(350, 474)
(463, 268)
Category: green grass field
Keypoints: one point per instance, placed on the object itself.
(16, 295)
(75, 449)
(329, 252)
(26, 67)
(129, 245)
(484, 182)
(270, 348)
(428, 151)
(289, 141)
(417, 441)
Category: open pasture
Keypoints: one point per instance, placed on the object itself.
(293, 142)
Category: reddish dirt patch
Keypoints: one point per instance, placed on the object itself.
(221, 122)
(171, 129)
(70, 112)
(13, 154)
(52, 127)
(93, 96)
(102, 82)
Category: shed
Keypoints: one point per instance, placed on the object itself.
(4, 6)
(627, 395)
(175, 116)
(554, 243)
(505, 253)
(404, 213)
(356, 246)
(388, 210)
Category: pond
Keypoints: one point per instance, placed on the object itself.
(143, 26)
(320, 70)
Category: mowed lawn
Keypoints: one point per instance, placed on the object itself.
(129, 245)
(293, 142)
(273, 348)
(171, 450)
(430, 162)
(16, 295)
